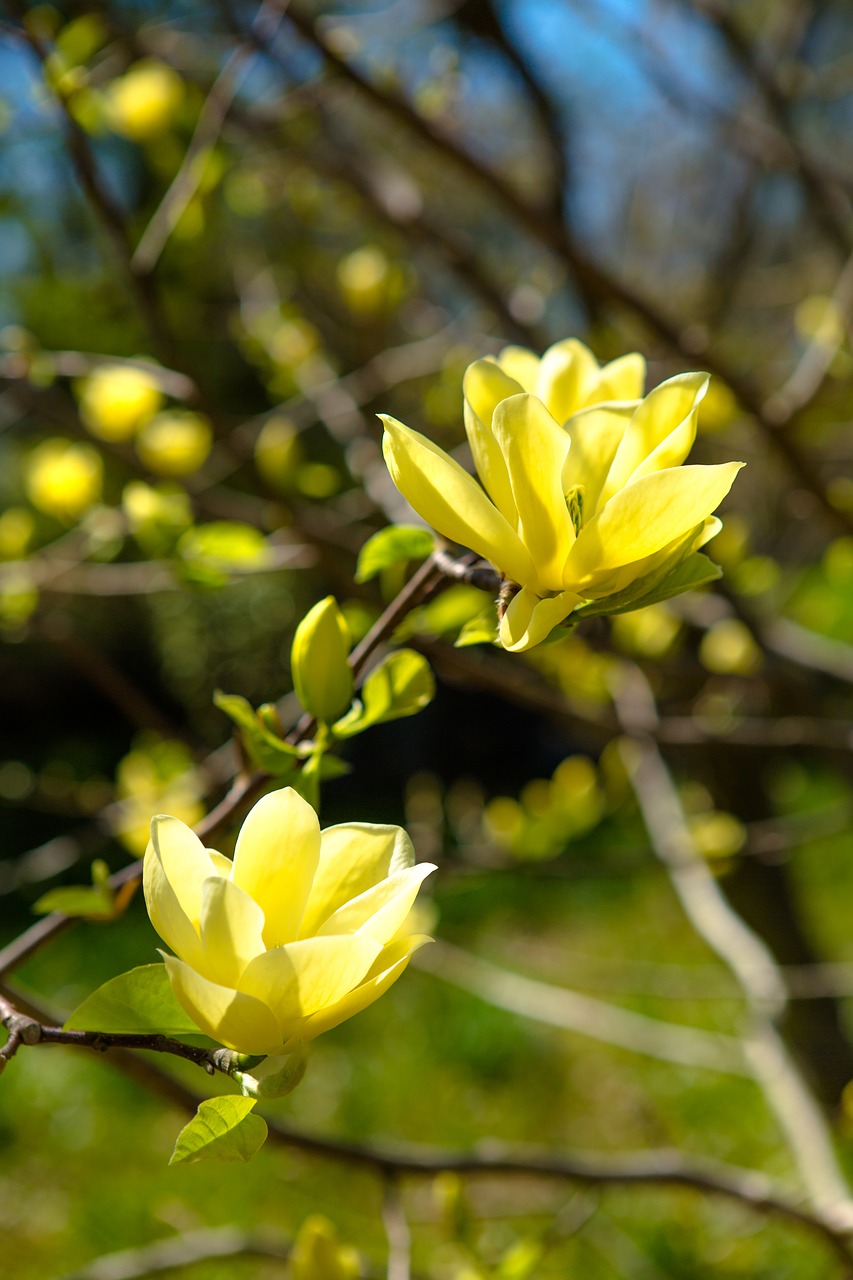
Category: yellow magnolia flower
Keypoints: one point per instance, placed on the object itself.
(585, 504)
(302, 930)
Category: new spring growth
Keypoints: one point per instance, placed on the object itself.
(584, 506)
(321, 674)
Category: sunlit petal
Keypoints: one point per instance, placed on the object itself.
(354, 857)
(275, 859)
(185, 861)
(232, 928)
(622, 379)
(302, 977)
(385, 971)
(380, 911)
(668, 411)
(520, 364)
(596, 435)
(167, 915)
(644, 517)
(535, 448)
(451, 501)
(484, 386)
(568, 374)
(233, 1018)
(529, 618)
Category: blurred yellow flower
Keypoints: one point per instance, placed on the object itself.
(116, 400)
(63, 479)
(302, 930)
(586, 504)
(175, 442)
(317, 1255)
(145, 100)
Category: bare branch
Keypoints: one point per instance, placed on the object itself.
(745, 954)
(584, 1015)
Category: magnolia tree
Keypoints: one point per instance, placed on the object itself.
(196, 417)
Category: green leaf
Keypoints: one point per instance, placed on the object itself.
(480, 630)
(95, 903)
(140, 1001)
(221, 1129)
(77, 900)
(266, 749)
(399, 542)
(402, 685)
(693, 571)
(446, 615)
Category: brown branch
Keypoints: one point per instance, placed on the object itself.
(665, 1169)
(23, 1029)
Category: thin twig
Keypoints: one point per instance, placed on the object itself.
(397, 1231)
(744, 953)
(584, 1015)
(177, 1252)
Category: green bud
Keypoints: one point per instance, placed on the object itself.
(321, 674)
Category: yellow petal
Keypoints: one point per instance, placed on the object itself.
(568, 374)
(232, 927)
(354, 857)
(221, 865)
(275, 859)
(301, 977)
(529, 618)
(668, 414)
(167, 915)
(709, 530)
(647, 515)
(520, 364)
(185, 861)
(595, 434)
(239, 1021)
(622, 379)
(484, 386)
(450, 500)
(535, 448)
(387, 968)
(380, 911)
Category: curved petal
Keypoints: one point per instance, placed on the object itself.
(379, 912)
(301, 977)
(520, 364)
(668, 411)
(484, 386)
(185, 861)
(646, 516)
(165, 911)
(232, 927)
(387, 968)
(567, 377)
(277, 852)
(622, 379)
(709, 530)
(529, 618)
(239, 1021)
(595, 434)
(450, 500)
(534, 449)
(221, 865)
(354, 857)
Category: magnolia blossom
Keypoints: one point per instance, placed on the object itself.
(302, 930)
(584, 495)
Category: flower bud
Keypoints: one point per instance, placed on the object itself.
(321, 674)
